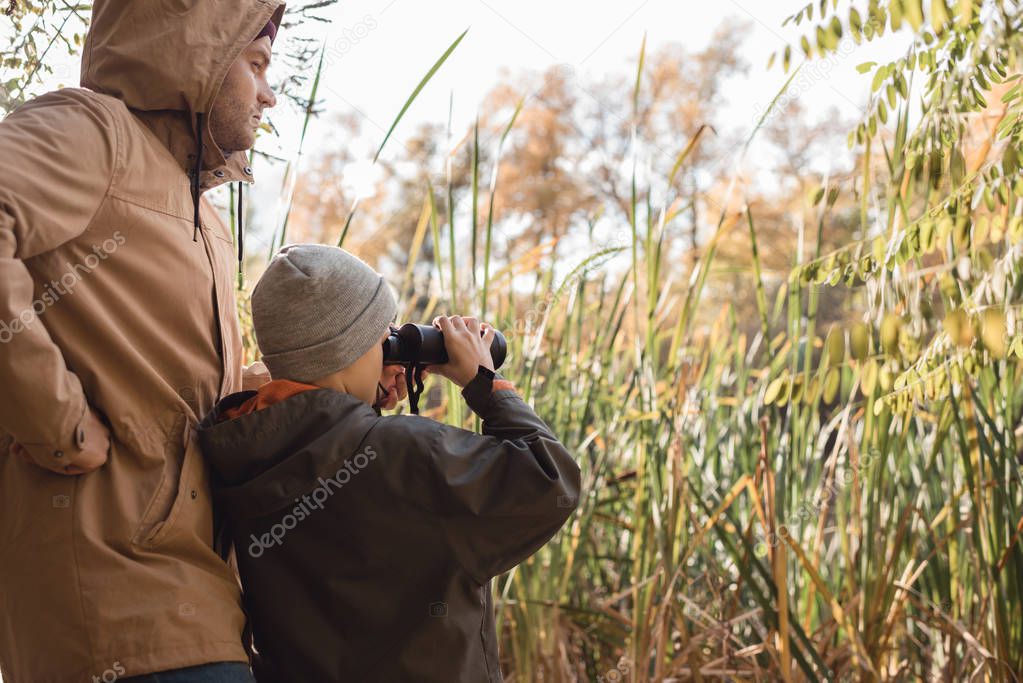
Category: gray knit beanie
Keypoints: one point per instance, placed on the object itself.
(316, 310)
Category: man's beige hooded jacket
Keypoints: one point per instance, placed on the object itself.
(107, 302)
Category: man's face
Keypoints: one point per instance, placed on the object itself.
(243, 96)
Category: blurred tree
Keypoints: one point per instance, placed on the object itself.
(562, 170)
(38, 34)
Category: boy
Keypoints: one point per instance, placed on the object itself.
(366, 543)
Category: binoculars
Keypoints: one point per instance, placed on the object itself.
(424, 345)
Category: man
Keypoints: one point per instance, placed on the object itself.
(118, 330)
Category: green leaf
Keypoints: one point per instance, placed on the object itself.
(993, 332)
(890, 329)
(774, 390)
(965, 13)
(419, 88)
(879, 77)
(859, 341)
(868, 377)
(855, 22)
(939, 15)
(836, 29)
(957, 167)
(834, 346)
(832, 381)
(895, 11)
(914, 14)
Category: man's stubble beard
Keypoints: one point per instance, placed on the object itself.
(232, 130)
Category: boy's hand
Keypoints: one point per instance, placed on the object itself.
(254, 376)
(392, 379)
(467, 342)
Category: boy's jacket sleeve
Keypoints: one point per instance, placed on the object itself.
(60, 154)
(499, 495)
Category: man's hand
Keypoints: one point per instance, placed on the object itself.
(467, 342)
(92, 456)
(254, 376)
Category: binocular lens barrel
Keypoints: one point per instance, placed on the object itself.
(424, 345)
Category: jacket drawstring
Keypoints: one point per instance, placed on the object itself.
(195, 176)
(241, 228)
(196, 171)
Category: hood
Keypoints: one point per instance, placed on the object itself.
(166, 60)
(162, 56)
(267, 454)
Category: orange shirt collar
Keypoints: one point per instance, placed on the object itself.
(268, 394)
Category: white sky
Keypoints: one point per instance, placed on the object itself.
(377, 52)
(401, 39)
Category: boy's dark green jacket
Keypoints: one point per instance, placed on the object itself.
(366, 543)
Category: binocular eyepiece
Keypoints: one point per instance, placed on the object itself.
(424, 345)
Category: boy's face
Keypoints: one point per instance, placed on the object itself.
(360, 379)
(391, 378)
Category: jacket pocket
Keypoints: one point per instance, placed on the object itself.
(181, 458)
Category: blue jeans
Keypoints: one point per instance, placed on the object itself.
(221, 672)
